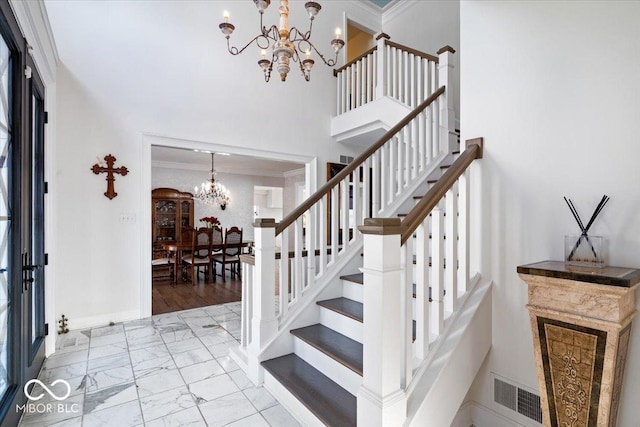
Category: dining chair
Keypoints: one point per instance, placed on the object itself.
(162, 259)
(200, 256)
(216, 240)
(230, 252)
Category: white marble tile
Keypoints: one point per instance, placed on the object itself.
(203, 320)
(148, 353)
(165, 328)
(141, 333)
(76, 385)
(179, 335)
(195, 312)
(241, 379)
(136, 324)
(68, 371)
(110, 396)
(107, 330)
(109, 362)
(222, 349)
(226, 409)
(108, 350)
(107, 378)
(154, 366)
(213, 388)
(205, 330)
(226, 317)
(117, 338)
(254, 420)
(218, 337)
(72, 348)
(227, 363)
(56, 360)
(72, 408)
(155, 384)
(166, 319)
(73, 339)
(186, 345)
(149, 341)
(277, 416)
(217, 310)
(260, 398)
(71, 422)
(192, 357)
(201, 371)
(126, 414)
(186, 418)
(165, 403)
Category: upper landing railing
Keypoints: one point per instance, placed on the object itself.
(388, 69)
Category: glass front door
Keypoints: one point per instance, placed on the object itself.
(22, 188)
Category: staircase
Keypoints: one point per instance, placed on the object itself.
(372, 246)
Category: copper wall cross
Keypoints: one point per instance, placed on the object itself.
(110, 170)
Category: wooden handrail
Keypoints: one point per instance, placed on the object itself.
(353, 61)
(414, 51)
(389, 43)
(420, 211)
(357, 162)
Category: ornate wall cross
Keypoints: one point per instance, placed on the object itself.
(110, 170)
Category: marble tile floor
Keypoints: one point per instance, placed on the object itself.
(168, 370)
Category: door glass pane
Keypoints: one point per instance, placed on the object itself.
(37, 219)
(5, 212)
(34, 175)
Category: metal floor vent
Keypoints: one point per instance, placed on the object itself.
(517, 399)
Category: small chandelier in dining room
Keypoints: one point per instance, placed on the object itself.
(288, 43)
(212, 192)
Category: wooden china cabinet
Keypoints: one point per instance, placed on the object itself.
(171, 211)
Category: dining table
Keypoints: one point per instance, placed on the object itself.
(176, 249)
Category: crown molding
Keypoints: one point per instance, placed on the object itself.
(365, 14)
(294, 173)
(204, 168)
(395, 8)
(34, 23)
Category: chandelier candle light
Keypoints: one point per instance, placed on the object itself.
(288, 43)
(213, 192)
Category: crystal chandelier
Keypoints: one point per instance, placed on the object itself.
(288, 43)
(212, 192)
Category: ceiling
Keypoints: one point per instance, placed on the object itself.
(381, 3)
(179, 158)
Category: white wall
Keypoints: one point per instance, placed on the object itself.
(427, 26)
(239, 211)
(161, 68)
(554, 89)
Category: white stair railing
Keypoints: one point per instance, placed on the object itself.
(321, 236)
(439, 278)
(388, 69)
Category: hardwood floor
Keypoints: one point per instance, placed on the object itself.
(168, 296)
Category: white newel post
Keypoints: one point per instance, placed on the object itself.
(447, 112)
(381, 66)
(381, 399)
(264, 324)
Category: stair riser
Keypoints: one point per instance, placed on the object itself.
(337, 372)
(342, 324)
(290, 402)
(352, 290)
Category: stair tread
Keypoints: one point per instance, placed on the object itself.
(340, 348)
(355, 278)
(344, 306)
(332, 404)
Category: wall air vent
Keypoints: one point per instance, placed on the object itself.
(517, 399)
(345, 159)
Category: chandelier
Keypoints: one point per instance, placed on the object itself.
(212, 192)
(288, 43)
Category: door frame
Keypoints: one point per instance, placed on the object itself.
(311, 178)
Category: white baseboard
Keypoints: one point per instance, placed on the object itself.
(103, 319)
